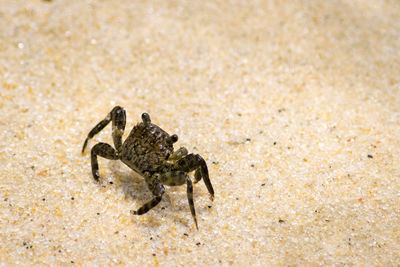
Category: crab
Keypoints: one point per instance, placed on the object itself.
(149, 151)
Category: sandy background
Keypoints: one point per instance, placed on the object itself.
(295, 105)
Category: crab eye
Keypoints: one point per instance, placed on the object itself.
(172, 139)
(146, 118)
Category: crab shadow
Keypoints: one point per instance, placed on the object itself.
(132, 184)
(136, 191)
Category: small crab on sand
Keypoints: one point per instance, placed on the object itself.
(149, 151)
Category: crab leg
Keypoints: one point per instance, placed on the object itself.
(195, 162)
(174, 178)
(148, 206)
(103, 150)
(117, 116)
(190, 199)
(157, 188)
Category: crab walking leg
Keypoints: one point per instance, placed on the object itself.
(204, 174)
(103, 150)
(195, 162)
(197, 175)
(174, 178)
(190, 199)
(156, 188)
(148, 206)
(117, 114)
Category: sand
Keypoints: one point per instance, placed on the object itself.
(294, 105)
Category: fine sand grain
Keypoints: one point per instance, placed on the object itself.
(295, 106)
